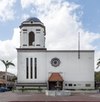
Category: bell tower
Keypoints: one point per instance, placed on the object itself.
(32, 33)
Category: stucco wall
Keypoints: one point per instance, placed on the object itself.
(77, 72)
(39, 37)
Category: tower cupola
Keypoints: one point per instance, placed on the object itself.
(32, 33)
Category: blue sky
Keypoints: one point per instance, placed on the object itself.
(91, 14)
(90, 17)
(63, 20)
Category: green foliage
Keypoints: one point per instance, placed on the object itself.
(14, 79)
(7, 63)
(97, 76)
(98, 63)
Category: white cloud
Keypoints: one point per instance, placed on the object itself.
(8, 51)
(97, 56)
(6, 11)
(62, 27)
(27, 3)
(62, 24)
(25, 16)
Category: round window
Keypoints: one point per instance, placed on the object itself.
(55, 62)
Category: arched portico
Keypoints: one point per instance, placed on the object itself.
(55, 82)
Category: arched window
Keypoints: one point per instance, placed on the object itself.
(31, 38)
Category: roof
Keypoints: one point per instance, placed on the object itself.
(33, 19)
(8, 73)
(55, 77)
(53, 51)
(2, 81)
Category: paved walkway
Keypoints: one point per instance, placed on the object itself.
(30, 97)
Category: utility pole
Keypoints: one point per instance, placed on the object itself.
(78, 45)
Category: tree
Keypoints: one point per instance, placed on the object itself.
(7, 64)
(98, 63)
(97, 76)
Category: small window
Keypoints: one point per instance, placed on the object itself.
(70, 84)
(38, 29)
(38, 45)
(3, 77)
(35, 68)
(24, 29)
(87, 85)
(74, 84)
(27, 68)
(31, 21)
(65, 84)
(24, 45)
(31, 68)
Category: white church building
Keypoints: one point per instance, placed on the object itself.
(63, 69)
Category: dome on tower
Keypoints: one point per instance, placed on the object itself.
(34, 19)
(31, 21)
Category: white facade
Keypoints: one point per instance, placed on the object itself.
(36, 64)
(29, 27)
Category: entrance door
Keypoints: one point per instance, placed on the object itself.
(55, 85)
(55, 81)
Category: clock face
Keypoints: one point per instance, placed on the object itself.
(55, 62)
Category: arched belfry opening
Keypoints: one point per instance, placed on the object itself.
(31, 38)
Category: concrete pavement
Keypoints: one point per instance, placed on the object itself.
(40, 97)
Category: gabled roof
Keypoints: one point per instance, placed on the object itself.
(55, 77)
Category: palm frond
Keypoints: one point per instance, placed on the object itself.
(10, 63)
(99, 59)
(7, 63)
(3, 61)
(98, 63)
